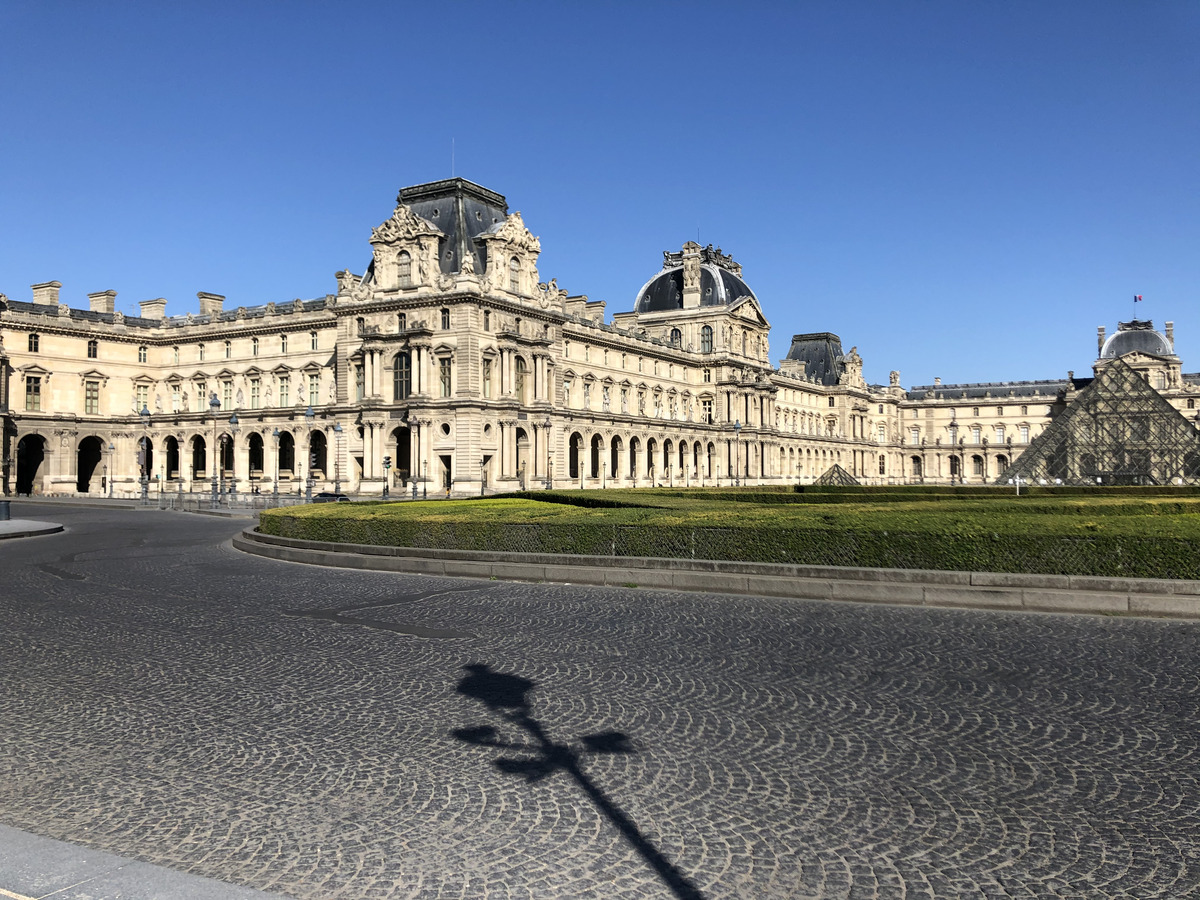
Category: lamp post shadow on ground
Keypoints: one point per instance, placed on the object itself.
(507, 696)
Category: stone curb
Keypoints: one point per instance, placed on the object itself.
(907, 587)
(19, 528)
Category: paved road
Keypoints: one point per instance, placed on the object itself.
(332, 734)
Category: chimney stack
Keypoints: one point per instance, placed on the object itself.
(937, 381)
(103, 301)
(1099, 340)
(46, 293)
(211, 304)
(153, 309)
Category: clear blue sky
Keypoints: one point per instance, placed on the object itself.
(961, 189)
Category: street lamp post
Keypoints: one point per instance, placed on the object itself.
(424, 479)
(214, 406)
(482, 465)
(737, 470)
(275, 493)
(231, 490)
(111, 469)
(309, 416)
(387, 475)
(337, 458)
(145, 414)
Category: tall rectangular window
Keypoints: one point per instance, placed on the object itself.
(175, 355)
(444, 376)
(1024, 434)
(201, 350)
(142, 354)
(487, 378)
(255, 392)
(975, 434)
(285, 390)
(33, 393)
(401, 376)
(999, 434)
(227, 394)
(445, 320)
(91, 398)
(283, 343)
(176, 397)
(914, 434)
(34, 343)
(142, 395)
(358, 382)
(312, 340)
(314, 389)
(228, 349)
(706, 410)
(93, 349)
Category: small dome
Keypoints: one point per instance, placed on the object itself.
(720, 283)
(1136, 337)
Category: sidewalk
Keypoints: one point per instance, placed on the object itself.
(19, 528)
(33, 868)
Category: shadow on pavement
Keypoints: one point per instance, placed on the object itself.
(507, 696)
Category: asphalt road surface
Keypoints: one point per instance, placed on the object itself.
(323, 733)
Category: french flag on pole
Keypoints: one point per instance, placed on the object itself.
(1137, 298)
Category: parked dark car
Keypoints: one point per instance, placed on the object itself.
(330, 497)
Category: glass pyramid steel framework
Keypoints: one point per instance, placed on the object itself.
(837, 475)
(1117, 430)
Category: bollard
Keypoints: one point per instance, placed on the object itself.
(4, 513)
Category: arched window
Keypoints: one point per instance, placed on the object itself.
(882, 464)
(143, 353)
(93, 349)
(401, 322)
(228, 351)
(404, 262)
(514, 275)
(445, 320)
(254, 346)
(706, 339)
(676, 337)
(283, 343)
(402, 376)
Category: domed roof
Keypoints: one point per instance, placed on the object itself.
(720, 282)
(1137, 336)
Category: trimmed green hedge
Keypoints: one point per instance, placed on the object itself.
(1146, 537)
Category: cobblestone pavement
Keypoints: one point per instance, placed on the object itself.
(317, 733)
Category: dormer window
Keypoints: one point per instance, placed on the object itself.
(514, 275)
(404, 262)
(676, 337)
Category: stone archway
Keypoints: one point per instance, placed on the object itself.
(88, 459)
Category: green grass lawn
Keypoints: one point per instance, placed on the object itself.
(1118, 533)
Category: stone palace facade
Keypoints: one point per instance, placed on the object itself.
(453, 360)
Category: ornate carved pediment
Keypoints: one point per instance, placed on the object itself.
(514, 233)
(404, 225)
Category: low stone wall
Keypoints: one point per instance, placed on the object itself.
(909, 587)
